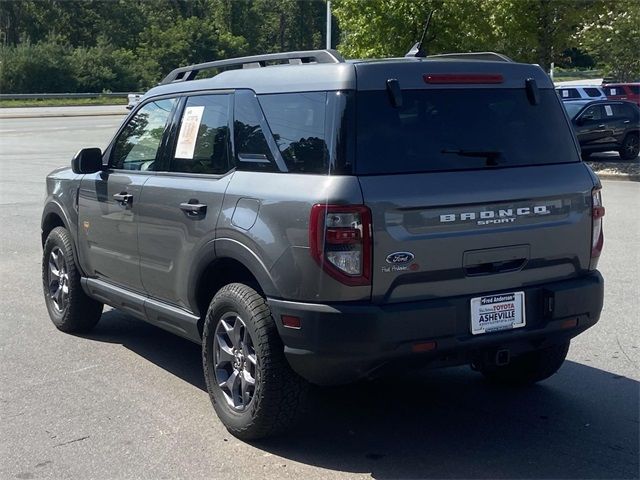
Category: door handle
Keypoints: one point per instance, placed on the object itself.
(627, 121)
(123, 198)
(601, 125)
(193, 208)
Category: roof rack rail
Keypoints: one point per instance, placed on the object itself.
(484, 56)
(184, 74)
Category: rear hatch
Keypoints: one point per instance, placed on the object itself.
(473, 188)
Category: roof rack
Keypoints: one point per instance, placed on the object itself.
(483, 56)
(184, 74)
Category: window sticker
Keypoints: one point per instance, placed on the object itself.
(189, 132)
(565, 93)
(613, 91)
(608, 110)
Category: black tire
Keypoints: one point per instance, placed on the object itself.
(529, 368)
(630, 147)
(73, 312)
(278, 393)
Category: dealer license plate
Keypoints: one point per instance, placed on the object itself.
(493, 313)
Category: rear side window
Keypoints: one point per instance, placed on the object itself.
(567, 93)
(635, 89)
(297, 121)
(611, 91)
(592, 92)
(202, 145)
(252, 149)
(623, 111)
(458, 129)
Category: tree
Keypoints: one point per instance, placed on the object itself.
(613, 39)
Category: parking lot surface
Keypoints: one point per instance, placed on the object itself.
(129, 400)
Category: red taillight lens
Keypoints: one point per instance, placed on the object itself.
(340, 241)
(597, 234)
(463, 78)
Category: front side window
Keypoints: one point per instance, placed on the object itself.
(202, 145)
(593, 113)
(137, 145)
(566, 93)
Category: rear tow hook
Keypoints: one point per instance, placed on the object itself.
(503, 357)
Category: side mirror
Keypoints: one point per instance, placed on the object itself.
(87, 160)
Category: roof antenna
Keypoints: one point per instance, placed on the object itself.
(417, 50)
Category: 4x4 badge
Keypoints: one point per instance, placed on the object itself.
(396, 258)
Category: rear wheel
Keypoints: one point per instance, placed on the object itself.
(630, 147)
(252, 387)
(70, 309)
(528, 368)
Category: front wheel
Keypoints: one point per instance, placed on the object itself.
(70, 309)
(630, 147)
(252, 387)
(529, 368)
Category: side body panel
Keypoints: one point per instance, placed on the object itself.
(268, 214)
(108, 229)
(172, 240)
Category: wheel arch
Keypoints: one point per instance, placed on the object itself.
(229, 261)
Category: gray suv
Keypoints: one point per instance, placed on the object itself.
(310, 219)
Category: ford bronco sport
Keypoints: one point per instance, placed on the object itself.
(311, 219)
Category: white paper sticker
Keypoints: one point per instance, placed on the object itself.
(607, 108)
(565, 93)
(613, 91)
(189, 132)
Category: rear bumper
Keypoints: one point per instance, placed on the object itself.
(341, 343)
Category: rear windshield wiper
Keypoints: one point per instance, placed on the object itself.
(491, 156)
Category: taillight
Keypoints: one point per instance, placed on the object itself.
(597, 235)
(340, 241)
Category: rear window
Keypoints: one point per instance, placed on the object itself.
(460, 129)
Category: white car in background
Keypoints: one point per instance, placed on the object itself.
(134, 99)
(580, 92)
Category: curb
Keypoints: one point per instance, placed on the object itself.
(623, 177)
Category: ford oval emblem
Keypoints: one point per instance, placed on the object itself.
(400, 257)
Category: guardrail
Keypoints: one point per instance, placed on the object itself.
(30, 96)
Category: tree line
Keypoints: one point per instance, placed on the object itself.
(129, 45)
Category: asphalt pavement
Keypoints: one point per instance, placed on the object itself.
(129, 401)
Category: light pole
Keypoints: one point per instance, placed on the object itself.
(328, 24)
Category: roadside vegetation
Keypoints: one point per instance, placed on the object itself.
(62, 102)
(121, 45)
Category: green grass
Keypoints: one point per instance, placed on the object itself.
(63, 102)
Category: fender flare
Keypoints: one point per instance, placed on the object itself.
(233, 249)
(53, 207)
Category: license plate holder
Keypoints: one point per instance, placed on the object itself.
(499, 312)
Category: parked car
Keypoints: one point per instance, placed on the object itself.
(313, 219)
(606, 125)
(623, 91)
(132, 100)
(580, 92)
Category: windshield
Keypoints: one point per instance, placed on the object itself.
(459, 129)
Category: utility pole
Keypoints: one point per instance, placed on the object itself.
(328, 24)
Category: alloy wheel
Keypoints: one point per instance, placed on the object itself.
(235, 361)
(58, 280)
